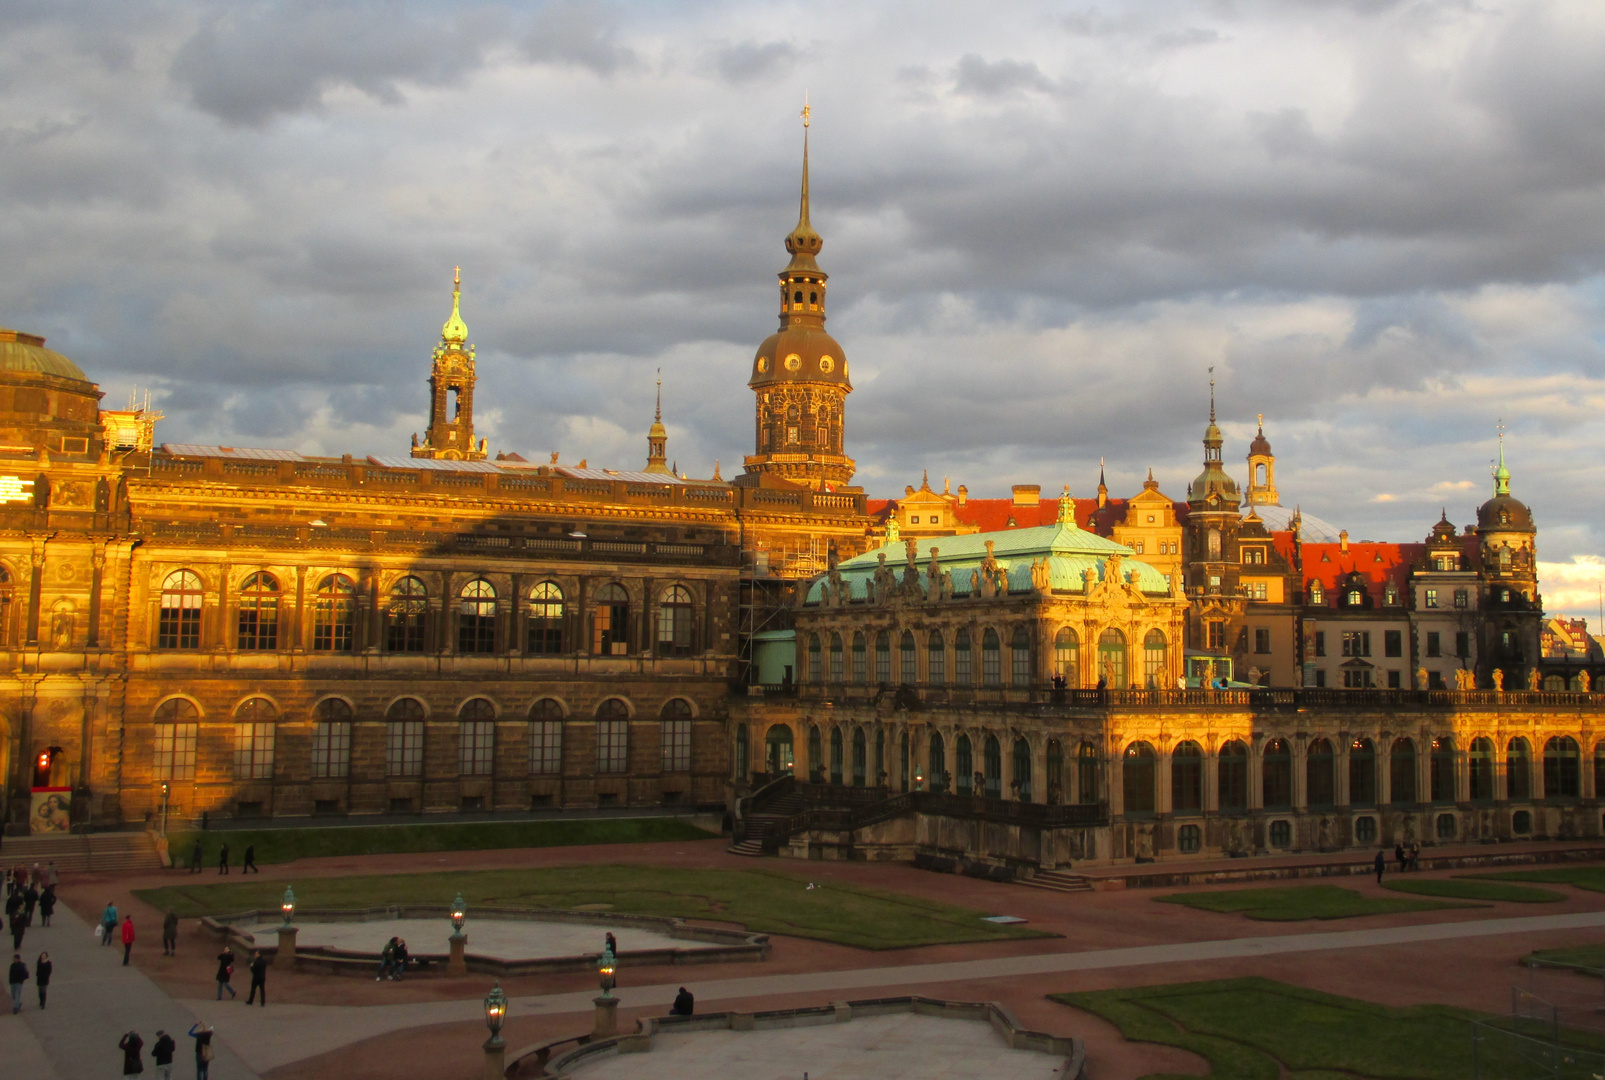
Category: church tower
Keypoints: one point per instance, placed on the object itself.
(1512, 608)
(451, 390)
(1213, 499)
(799, 374)
(657, 440)
(1262, 470)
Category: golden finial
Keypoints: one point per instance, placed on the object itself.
(1261, 418)
(807, 113)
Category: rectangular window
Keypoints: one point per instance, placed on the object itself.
(1429, 598)
(676, 746)
(1392, 643)
(546, 747)
(331, 749)
(1393, 680)
(253, 751)
(1462, 644)
(936, 664)
(1356, 643)
(1357, 680)
(175, 751)
(1320, 643)
(1254, 556)
(961, 664)
(404, 748)
(1258, 590)
(1462, 598)
(476, 745)
(1320, 677)
(1217, 635)
(612, 746)
(1262, 640)
(1434, 643)
(991, 664)
(179, 626)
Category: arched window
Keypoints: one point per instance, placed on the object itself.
(741, 752)
(610, 621)
(1518, 770)
(964, 767)
(546, 737)
(883, 658)
(816, 666)
(1087, 773)
(1155, 666)
(254, 730)
(334, 614)
(1054, 779)
(676, 735)
(476, 737)
(1020, 657)
(476, 618)
(1137, 775)
(876, 777)
(613, 736)
(1212, 543)
(676, 622)
(258, 621)
(779, 757)
(816, 755)
(1362, 773)
(860, 764)
(1067, 656)
(1480, 769)
(331, 739)
(178, 626)
(835, 755)
(937, 758)
(1442, 765)
(963, 673)
(836, 672)
(1276, 786)
(178, 727)
(1187, 778)
(404, 738)
(1320, 774)
(1232, 776)
(991, 658)
(543, 622)
(1402, 772)
(1112, 659)
(1022, 770)
(908, 659)
(1317, 594)
(1562, 768)
(935, 659)
(404, 619)
(994, 767)
(860, 661)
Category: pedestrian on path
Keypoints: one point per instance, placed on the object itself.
(131, 1045)
(1380, 864)
(47, 905)
(128, 937)
(52, 876)
(108, 923)
(161, 1052)
(170, 934)
(195, 857)
(259, 966)
(13, 897)
(222, 860)
(202, 1034)
(16, 977)
(1399, 857)
(41, 976)
(36, 876)
(1415, 856)
(19, 926)
(30, 900)
(225, 969)
(249, 866)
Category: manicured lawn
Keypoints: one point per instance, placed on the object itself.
(1251, 1029)
(287, 845)
(1591, 878)
(1301, 902)
(1462, 889)
(766, 901)
(1588, 958)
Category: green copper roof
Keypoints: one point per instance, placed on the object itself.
(27, 354)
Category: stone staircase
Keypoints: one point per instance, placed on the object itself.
(755, 824)
(1058, 881)
(78, 853)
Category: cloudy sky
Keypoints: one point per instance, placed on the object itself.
(1382, 222)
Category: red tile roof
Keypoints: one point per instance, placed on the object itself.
(1377, 564)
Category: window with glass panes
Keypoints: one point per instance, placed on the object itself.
(476, 618)
(991, 659)
(254, 731)
(962, 671)
(334, 615)
(612, 746)
(544, 620)
(178, 623)
(935, 660)
(883, 657)
(860, 660)
(676, 739)
(178, 728)
(676, 623)
(404, 738)
(331, 739)
(545, 747)
(258, 620)
(404, 619)
(476, 738)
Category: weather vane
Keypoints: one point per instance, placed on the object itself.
(807, 112)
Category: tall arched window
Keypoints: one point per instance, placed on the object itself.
(1212, 543)
(835, 755)
(610, 621)
(860, 661)
(1276, 787)
(1112, 658)
(543, 622)
(1021, 781)
(1067, 656)
(404, 738)
(1442, 764)
(883, 658)
(991, 658)
(908, 659)
(993, 753)
(676, 735)
(1054, 780)
(404, 619)
(816, 755)
(935, 659)
(903, 757)
(1320, 774)
(1187, 778)
(1562, 768)
(331, 739)
(860, 762)
(1362, 773)
(178, 727)
(1020, 656)
(476, 618)
(1402, 772)
(963, 673)
(937, 758)
(546, 737)
(178, 626)
(964, 766)
(1087, 773)
(836, 668)
(334, 615)
(1480, 769)
(1232, 776)
(476, 737)
(740, 748)
(1518, 770)
(1155, 659)
(677, 622)
(613, 736)
(816, 660)
(258, 622)
(1138, 779)
(254, 731)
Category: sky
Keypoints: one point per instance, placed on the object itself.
(1381, 223)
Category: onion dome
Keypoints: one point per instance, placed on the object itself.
(455, 331)
(1504, 513)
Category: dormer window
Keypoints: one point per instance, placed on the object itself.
(1354, 598)
(1317, 594)
(1391, 595)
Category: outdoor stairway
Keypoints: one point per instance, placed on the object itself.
(1057, 881)
(756, 824)
(83, 852)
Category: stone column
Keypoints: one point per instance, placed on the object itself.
(1211, 792)
(1256, 773)
(1162, 781)
(495, 1058)
(1301, 773)
(457, 964)
(1340, 761)
(285, 958)
(1384, 767)
(607, 1017)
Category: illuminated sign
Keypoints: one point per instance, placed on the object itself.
(15, 489)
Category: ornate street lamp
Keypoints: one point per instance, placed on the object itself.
(495, 1011)
(459, 911)
(288, 905)
(605, 968)
(919, 777)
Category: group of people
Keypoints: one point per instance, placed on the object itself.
(392, 960)
(28, 891)
(1408, 858)
(225, 973)
(198, 857)
(109, 931)
(162, 1051)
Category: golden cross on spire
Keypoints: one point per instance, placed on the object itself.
(1261, 418)
(456, 275)
(808, 111)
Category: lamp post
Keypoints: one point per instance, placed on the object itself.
(495, 1049)
(165, 792)
(919, 777)
(457, 964)
(285, 957)
(607, 1006)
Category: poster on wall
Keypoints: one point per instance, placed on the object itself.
(52, 810)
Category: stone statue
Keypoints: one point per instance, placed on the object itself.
(1421, 679)
(1089, 581)
(1499, 678)
(61, 630)
(1535, 681)
(1582, 681)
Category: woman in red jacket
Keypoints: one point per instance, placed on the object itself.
(128, 937)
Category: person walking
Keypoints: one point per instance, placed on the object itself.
(30, 900)
(1399, 857)
(52, 876)
(1381, 863)
(131, 1045)
(249, 865)
(259, 966)
(16, 977)
(19, 926)
(1415, 856)
(161, 1052)
(128, 937)
(222, 859)
(225, 969)
(41, 976)
(170, 934)
(47, 905)
(202, 1034)
(195, 857)
(108, 922)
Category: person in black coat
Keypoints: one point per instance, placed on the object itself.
(225, 970)
(161, 1052)
(249, 864)
(195, 857)
(16, 977)
(222, 860)
(1381, 864)
(47, 905)
(259, 966)
(41, 975)
(131, 1044)
(684, 1003)
(30, 900)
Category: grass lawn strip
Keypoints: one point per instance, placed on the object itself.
(287, 845)
(1313, 1035)
(763, 901)
(1462, 889)
(1589, 959)
(1300, 902)
(1591, 878)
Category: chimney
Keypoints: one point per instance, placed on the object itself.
(1027, 494)
(964, 494)
(1343, 541)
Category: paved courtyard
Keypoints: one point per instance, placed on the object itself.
(505, 939)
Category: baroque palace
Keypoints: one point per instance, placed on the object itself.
(999, 685)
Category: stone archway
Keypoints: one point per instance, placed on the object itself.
(779, 751)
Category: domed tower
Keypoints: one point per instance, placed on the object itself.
(1213, 502)
(1262, 470)
(1507, 542)
(799, 374)
(451, 391)
(657, 439)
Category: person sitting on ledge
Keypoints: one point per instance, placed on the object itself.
(684, 1003)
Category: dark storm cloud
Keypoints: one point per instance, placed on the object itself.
(746, 61)
(579, 32)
